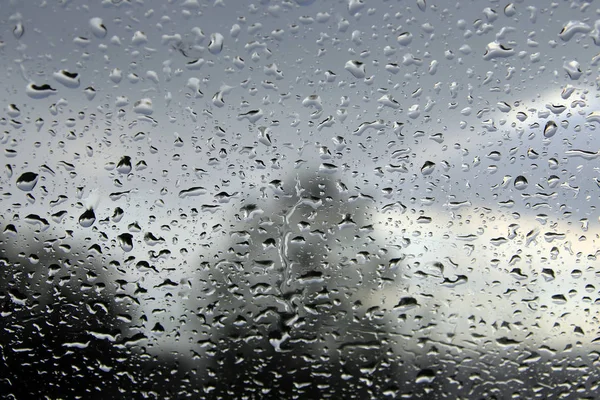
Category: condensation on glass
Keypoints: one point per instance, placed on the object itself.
(299, 199)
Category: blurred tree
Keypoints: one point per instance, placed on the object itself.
(290, 313)
(64, 332)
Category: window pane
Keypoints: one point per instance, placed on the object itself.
(299, 199)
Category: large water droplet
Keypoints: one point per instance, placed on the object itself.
(88, 218)
(425, 376)
(427, 167)
(521, 182)
(497, 50)
(27, 181)
(97, 27)
(143, 106)
(66, 78)
(573, 27)
(124, 165)
(356, 68)
(216, 43)
(550, 129)
(126, 241)
(39, 91)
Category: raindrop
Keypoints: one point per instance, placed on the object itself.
(143, 107)
(253, 115)
(573, 27)
(126, 241)
(405, 38)
(520, 182)
(90, 93)
(139, 38)
(497, 50)
(124, 165)
(425, 376)
(573, 69)
(66, 78)
(356, 68)
(27, 181)
(19, 30)
(97, 27)
(406, 303)
(191, 192)
(510, 10)
(550, 129)
(88, 218)
(427, 168)
(216, 43)
(39, 91)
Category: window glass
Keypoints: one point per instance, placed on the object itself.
(299, 199)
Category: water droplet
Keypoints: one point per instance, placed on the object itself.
(573, 69)
(354, 6)
(88, 218)
(19, 30)
(405, 38)
(594, 116)
(356, 68)
(124, 165)
(425, 376)
(143, 107)
(97, 27)
(520, 182)
(586, 154)
(510, 10)
(139, 38)
(407, 303)
(497, 50)
(27, 181)
(559, 299)
(573, 27)
(90, 93)
(427, 168)
(66, 78)
(116, 75)
(550, 129)
(388, 101)
(191, 192)
(39, 91)
(216, 43)
(504, 341)
(253, 115)
(125, 241)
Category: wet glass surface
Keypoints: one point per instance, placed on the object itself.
(299, 199)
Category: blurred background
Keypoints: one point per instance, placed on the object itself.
(299, 199)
